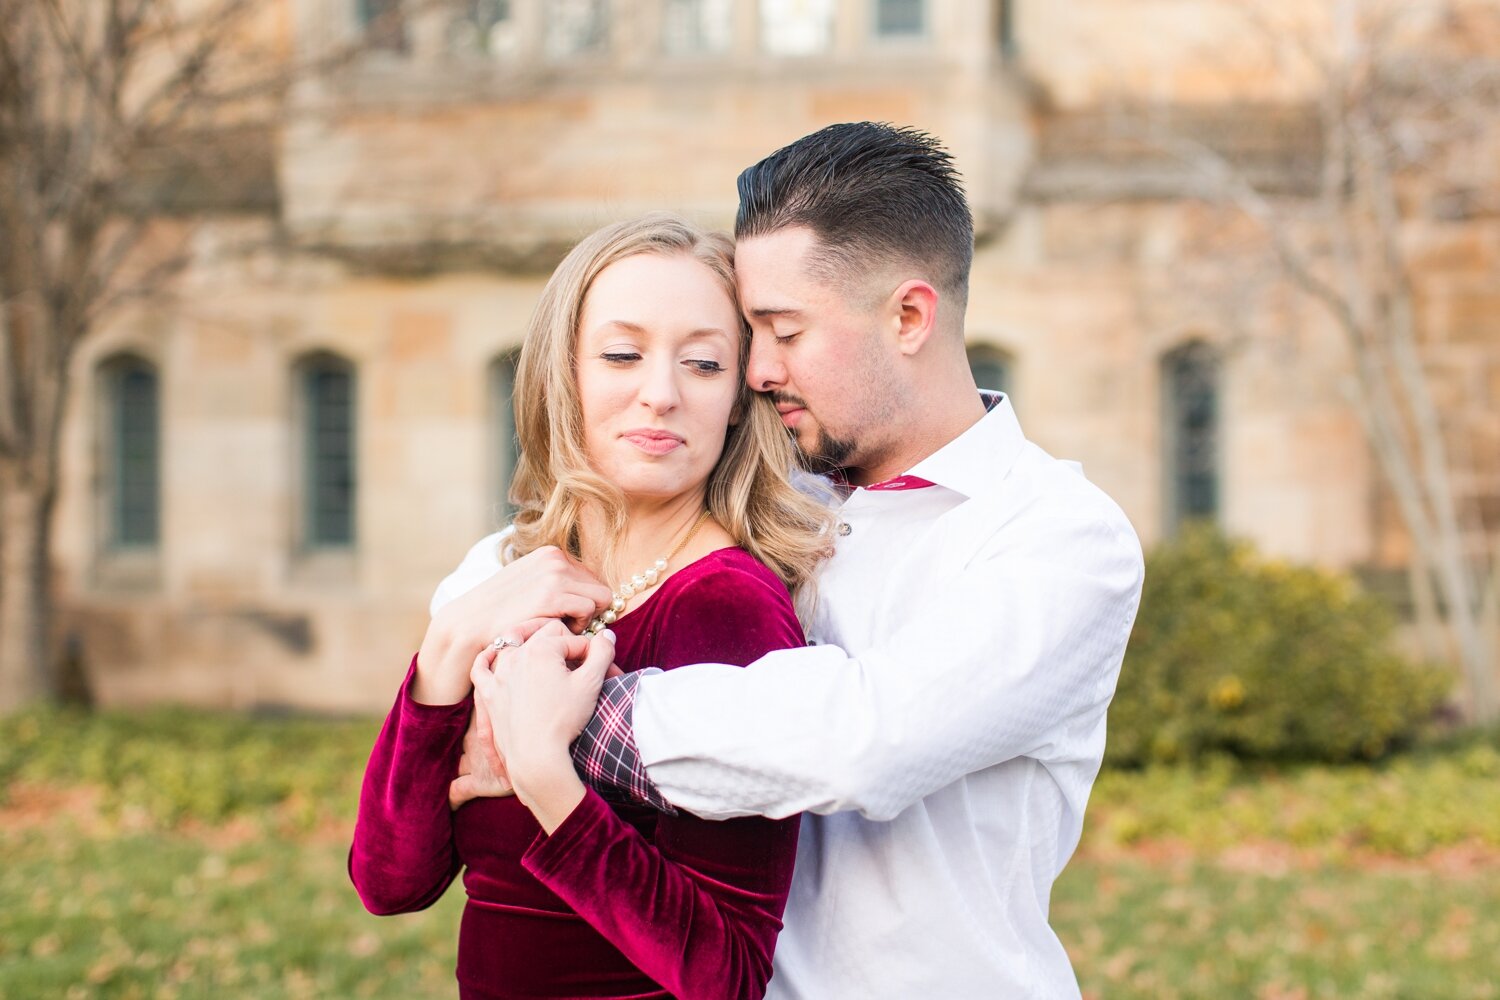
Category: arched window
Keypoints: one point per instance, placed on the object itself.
(1190, 433)
(900, 18)
(130, 409)
(797, 27)
(325, 385)
(991, 367)
(576, 28)
(504, 445)
(696, 27)
(383, 23)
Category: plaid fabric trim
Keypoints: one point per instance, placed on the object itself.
(605, 753)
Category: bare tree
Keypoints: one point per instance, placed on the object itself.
(1403, 92)
(107, 109)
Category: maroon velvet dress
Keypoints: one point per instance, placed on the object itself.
(620, 901)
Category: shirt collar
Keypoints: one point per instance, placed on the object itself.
(978, 460)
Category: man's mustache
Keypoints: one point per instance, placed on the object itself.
(787, 399)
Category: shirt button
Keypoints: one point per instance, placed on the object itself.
(844, 529)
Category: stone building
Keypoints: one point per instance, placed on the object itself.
(267, 475)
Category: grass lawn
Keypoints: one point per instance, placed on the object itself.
(182, 855)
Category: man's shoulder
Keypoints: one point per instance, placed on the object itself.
(482, 561)
(1043, 493)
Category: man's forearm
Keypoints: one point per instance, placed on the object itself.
(605, 753)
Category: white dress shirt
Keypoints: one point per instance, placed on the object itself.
(942, 734)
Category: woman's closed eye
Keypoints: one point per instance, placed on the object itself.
(620, 357)
(704, 366)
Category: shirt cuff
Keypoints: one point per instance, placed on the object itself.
(605, 753)
(416, 715)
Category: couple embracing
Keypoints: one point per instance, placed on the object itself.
(699, 725)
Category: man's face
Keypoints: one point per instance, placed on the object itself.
(817, 348)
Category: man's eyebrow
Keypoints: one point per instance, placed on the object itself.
(766, 312)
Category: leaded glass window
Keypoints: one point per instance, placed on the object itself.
(1005, 28)
(900, 18)
(505, 447)
(796, 27)
(1190, 382)
(132, 460)
(576, 27)
(694, 27)
(990, 367)
(486, 27)
(383, 23)
(328, 431)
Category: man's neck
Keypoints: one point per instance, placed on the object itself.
(917, 440)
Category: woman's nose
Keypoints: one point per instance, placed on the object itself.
(659, 389)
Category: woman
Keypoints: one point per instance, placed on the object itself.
(645, 461)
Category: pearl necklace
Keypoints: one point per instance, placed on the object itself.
(640, 582)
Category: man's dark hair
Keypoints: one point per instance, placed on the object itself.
(873, 194)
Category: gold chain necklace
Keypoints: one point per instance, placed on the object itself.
(640, 582)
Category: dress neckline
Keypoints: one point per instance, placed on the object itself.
(657, 590)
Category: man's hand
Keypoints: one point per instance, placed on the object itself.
(537, 705)
(481, 772)
(538, 588)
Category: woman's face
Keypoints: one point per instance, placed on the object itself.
(658, 356)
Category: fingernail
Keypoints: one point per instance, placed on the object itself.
(608, 635)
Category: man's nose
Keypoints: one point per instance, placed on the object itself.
(765, 371)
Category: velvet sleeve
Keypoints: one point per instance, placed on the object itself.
(403, 857)
(700, 909)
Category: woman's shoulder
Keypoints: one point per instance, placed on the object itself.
(728, 573)
(482, 561)
(727, 607)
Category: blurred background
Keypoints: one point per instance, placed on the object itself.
(264, 267)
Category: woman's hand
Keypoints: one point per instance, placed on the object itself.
(537, 705)
(541, 586)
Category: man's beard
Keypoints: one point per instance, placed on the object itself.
(828, 453)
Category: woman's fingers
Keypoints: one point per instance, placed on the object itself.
(596, 661)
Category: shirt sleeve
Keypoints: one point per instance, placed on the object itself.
(698, 910)
(1016, 655)
(403, 856)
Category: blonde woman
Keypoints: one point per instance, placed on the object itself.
(648, 463)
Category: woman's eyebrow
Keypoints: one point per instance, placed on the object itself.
(708, 332)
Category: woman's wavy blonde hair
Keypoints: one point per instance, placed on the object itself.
(750, 493)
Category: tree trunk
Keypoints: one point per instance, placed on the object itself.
(25, 590)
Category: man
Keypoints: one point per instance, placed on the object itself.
(945, 726)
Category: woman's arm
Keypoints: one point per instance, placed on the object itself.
(700, 909)
(403, 857)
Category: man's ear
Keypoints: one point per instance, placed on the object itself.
(915, 303)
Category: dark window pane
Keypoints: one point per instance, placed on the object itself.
(329, 403)
(1191, 381)
(384, 24)
(575, 27)
(899, 17)
(991, 369)
(134, 481)
(1006, 28)
(506, 444)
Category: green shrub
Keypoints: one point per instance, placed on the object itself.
(176, 765)
(1239, 654)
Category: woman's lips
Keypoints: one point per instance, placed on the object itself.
(653, 442)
